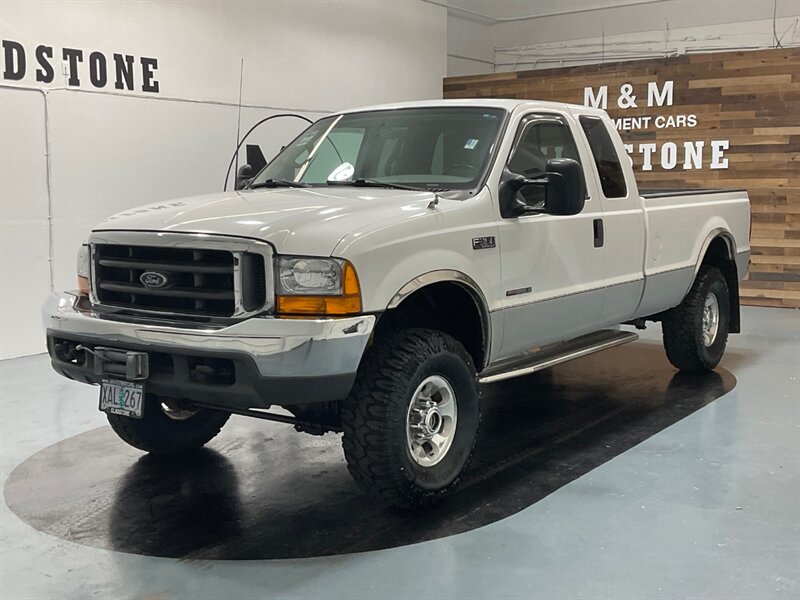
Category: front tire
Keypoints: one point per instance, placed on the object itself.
(696, 332)
(165, 430)
(411, 421)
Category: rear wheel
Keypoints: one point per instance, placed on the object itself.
(411, 421)
(167, 428)
(696, 331)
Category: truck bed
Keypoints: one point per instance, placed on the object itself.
(680, 223)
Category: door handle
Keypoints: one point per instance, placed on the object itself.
(599, 233)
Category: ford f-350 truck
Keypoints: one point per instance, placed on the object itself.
(382, 266)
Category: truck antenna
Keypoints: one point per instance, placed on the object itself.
(239, 117)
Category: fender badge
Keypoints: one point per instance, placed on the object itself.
(518, 291)
(483, 243)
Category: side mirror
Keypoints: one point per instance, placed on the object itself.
(563, 190)
(243, 176)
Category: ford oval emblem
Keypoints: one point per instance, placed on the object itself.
(151, 279)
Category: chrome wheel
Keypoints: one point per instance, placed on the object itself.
(710, 319)
(431, 421)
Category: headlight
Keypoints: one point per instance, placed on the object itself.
(84, 270)
(299, 276)
(316, 286)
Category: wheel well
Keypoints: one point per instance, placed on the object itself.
(720, 255)
(446, 306)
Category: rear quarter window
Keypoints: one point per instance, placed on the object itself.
(609, 168)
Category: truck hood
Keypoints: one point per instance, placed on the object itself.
(307, 221)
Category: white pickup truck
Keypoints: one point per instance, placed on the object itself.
(382, 266)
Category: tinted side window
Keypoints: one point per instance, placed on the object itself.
(539, 142)
(612, 177)
(541, 139)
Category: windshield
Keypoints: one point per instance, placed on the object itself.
(432, 148)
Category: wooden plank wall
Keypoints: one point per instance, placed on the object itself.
(750, 98)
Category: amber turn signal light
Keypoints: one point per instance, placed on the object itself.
(83, 286)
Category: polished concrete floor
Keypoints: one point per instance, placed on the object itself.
(613, 478)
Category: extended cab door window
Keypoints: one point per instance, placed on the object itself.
(612, 177)
(540, 138)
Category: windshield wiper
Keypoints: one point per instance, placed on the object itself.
(274, 183)
(393, 186)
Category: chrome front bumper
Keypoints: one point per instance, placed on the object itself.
(305, 351)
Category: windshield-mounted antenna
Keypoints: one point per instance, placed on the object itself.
(238, 120)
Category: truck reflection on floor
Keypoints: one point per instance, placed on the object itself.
(190, 503)
(263, 492)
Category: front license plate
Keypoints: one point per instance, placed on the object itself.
(124, 398)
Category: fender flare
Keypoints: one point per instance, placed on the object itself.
(726, 235)
(730, 244)
(464, 281)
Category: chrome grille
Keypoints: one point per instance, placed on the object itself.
(179, 280)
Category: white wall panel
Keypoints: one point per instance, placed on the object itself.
(111, 149)
(115, 152)
(469, 46)
(24, 268)
(309, 54)
(25, 276)
(23, 173)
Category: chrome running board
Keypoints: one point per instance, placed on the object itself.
(554, 354)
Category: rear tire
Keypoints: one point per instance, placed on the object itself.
(158, 433)
(411, 421)
(696, 331)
